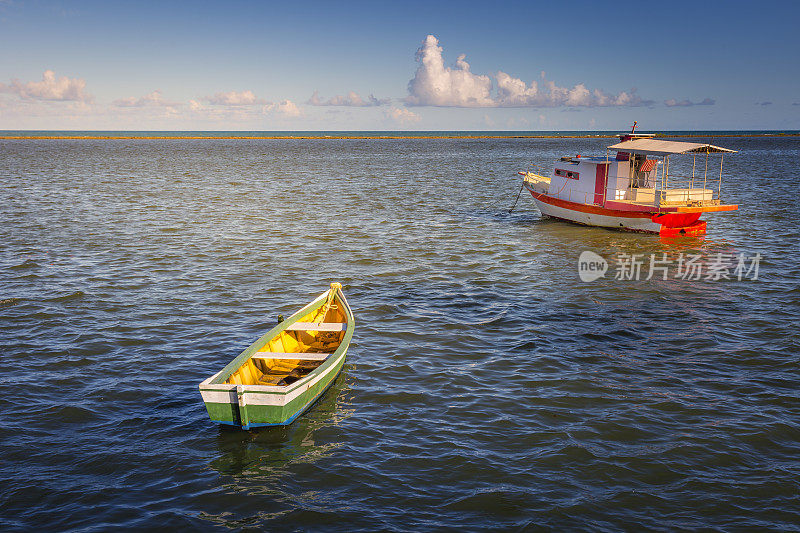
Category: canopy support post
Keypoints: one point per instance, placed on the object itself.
(605, 185)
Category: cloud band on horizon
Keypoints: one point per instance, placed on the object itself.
(352, 99)
(434, 84)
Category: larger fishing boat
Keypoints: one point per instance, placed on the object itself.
(643, 187)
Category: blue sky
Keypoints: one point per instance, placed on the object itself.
(373, 66)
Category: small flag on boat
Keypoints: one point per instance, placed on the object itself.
(648, 165)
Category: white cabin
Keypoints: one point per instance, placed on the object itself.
(636, 175)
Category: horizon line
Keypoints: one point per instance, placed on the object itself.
(707, 133)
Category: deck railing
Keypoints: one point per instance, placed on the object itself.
(679, 192)
(691, 190)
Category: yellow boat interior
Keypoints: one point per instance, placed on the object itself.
(298, 350)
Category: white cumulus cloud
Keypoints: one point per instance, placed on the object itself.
(435, 84)
(688, 103)
(233, 98)
(50, 88)
(352, 99)
(287, 108)
(154, 99)
(241, 112)
(402, 115)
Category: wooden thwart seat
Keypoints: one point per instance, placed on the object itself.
(286, 367)
(290, 355)
(314, 326)
(268, 379)
(275, 378)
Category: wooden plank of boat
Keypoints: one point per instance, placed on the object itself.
(285, 371)
(311, 326)
(291, 355)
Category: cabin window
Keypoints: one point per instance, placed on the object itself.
(567, 174)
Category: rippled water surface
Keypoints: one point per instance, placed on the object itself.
(487, 387)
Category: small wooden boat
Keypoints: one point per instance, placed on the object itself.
(284, 372)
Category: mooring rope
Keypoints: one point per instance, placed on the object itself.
(518, 194)
(531, 166)
(329, 303)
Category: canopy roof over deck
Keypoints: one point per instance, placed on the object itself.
(659, 147)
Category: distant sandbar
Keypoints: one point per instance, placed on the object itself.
(377, 137)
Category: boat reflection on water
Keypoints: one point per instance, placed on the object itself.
(269, 452)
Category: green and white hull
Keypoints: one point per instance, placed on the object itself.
(253, 405)
(259, 405)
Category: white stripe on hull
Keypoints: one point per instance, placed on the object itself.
(592, 219)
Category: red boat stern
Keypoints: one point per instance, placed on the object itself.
(677, 224)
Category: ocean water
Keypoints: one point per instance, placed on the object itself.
(487, 387)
